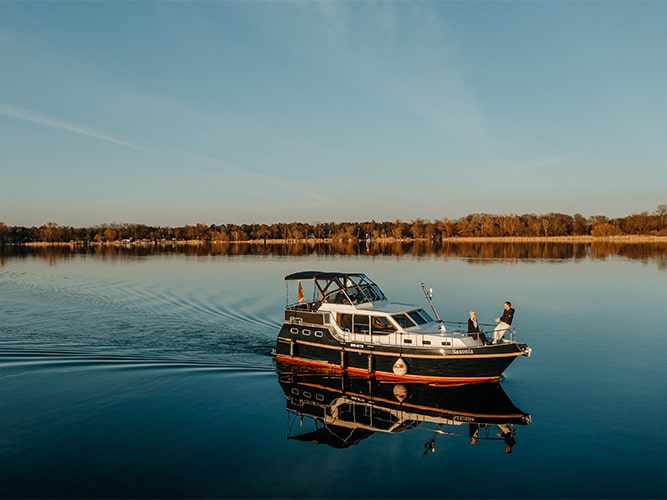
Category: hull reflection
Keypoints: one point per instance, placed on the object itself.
(345, 410)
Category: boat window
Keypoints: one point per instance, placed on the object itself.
(361, 323)
(356, 295)
(365, 294)
(403, 320)
(417, 318)
(378, 292)
(338, 298)
(381, 325)
(344, 321)
(426, 316)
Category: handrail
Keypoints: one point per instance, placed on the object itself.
(486, 328)
(452, 327)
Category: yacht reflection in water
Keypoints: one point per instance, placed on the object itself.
(345, 410)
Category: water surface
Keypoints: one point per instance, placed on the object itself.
(151, 376)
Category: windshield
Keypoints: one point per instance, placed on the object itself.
(353, 288)
(403, 320)
(420, 317)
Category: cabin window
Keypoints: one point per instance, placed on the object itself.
(345, 322)
(425, 315)
(369, 293)
(403, 320)
(381, 325)
(378, 293)
(361, 323)
(417, 317)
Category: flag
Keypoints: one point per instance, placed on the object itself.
(300, 295)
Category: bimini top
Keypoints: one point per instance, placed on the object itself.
(341, 288)
(318, 275)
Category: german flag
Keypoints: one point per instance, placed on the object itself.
(300, 295)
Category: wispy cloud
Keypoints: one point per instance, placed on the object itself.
(49, 121)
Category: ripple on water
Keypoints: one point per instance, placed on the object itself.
(16, 359)
(118, 321)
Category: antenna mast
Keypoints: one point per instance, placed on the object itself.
(429, 296)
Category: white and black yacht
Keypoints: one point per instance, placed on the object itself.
(348, 324)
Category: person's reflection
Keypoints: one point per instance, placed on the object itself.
(505, 432)
(508, 435)
(473, 432)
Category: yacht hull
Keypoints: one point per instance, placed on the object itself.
(298, 344)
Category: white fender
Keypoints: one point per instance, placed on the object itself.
(400, 367)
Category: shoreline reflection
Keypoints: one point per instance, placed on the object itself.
(474, 252)
(340, 411)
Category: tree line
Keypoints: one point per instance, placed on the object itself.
(471, 226)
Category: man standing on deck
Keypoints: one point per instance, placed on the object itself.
(504, 323)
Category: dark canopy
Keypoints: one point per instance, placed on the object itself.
(309, 275)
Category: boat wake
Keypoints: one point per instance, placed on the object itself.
(17, 357)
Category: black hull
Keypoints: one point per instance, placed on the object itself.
(318, 348)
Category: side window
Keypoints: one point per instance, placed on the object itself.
(416, 317)
(381, 325)
(378, 293)
(361, 323)
(425, 315)
(403, 320)
(345, 322)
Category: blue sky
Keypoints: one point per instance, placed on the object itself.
(172, 113)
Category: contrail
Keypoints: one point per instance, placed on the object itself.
(49, 121)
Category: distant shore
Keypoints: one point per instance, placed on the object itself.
(455, 239)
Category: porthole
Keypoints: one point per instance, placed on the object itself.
(294, 330)
(307, 394)
(305, 332)
(318, 333)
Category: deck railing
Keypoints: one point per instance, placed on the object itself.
(485, 328)
(307, 313)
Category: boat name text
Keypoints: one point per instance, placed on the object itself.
(462, 351)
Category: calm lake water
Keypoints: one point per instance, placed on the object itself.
(140, 375)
